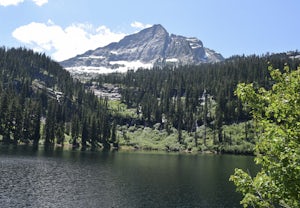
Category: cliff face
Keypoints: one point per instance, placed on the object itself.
(150, 47)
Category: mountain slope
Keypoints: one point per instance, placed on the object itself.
(150, 47)
(37, 93)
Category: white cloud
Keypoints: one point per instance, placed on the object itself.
(40, 2)
(10, 2)
(63, 43)
(16, 2)
(139, 25)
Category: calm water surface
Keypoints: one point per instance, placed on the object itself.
(117, 179)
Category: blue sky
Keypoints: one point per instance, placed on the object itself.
(64, 28)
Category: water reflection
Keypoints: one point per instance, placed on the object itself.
(67, 178)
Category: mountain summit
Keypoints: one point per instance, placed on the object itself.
(150, 47)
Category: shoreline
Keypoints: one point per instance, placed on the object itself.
(125, 148)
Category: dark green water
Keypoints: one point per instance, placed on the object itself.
(117, 179)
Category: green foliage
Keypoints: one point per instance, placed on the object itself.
(146, 138)
(277, 112)
(157, 138)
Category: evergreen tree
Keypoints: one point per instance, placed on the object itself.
(18, 129)
(75, 130)
(4, 119)
(26, 124)
(37, 125)
(50, 124)
(114, 135)
(94, 136)
(60, 133)
(84, 134)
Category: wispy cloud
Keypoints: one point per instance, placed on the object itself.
(140, 25)
(40, 2)
(17, 2)
(63, 43)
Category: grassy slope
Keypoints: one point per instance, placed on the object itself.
(156, 138)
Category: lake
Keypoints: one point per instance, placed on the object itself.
(117, 179)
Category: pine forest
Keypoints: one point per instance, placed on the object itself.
(175, 108)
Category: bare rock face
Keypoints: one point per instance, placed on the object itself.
(150, 47)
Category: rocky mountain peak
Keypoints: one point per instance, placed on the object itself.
(150, 47)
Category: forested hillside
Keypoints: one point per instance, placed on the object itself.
(172, 108)
(195, 99)
(41, 103)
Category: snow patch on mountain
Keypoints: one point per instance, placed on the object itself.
(116, 66)
(172, 60)
(151, 47)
